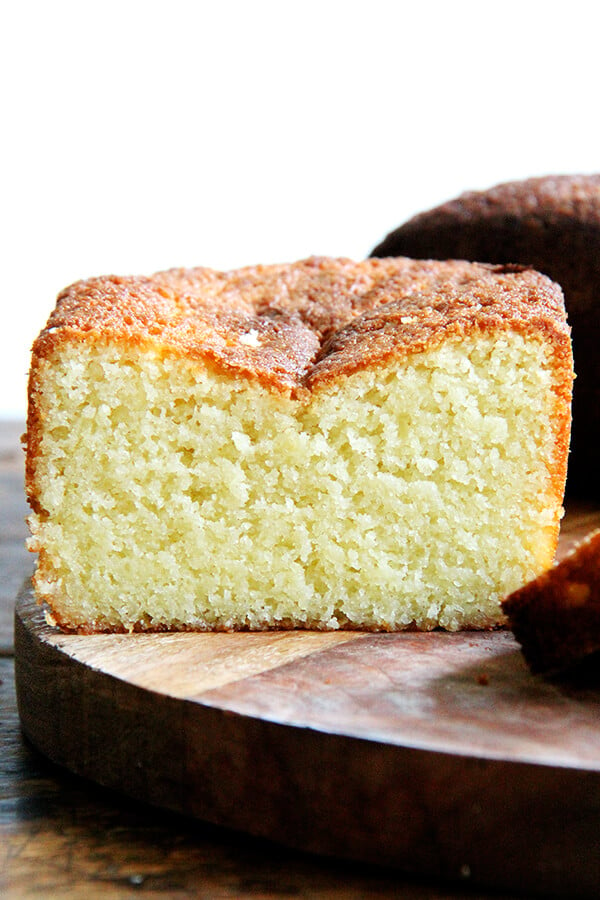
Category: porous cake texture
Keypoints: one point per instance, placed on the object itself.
(378, 445)
(551, 223)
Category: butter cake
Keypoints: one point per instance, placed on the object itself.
(552, 224)
(556, 617)
(328, 444)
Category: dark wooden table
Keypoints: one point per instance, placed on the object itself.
(61, 836)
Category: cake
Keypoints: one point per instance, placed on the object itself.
(327, 444)
(556, 617)
(552, 224)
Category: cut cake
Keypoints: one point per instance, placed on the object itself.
(327, 444)
(556, 617)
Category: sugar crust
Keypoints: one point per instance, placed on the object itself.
(311, 321)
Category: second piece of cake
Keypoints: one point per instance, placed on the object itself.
(328, 444)
(556, 617)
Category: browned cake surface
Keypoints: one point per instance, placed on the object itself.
(296, 326)
(564, 201)
(552, 224)
(300, 325)
(556, 617)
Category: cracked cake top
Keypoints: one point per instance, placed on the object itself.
(295, 327)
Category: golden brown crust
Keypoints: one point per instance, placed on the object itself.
(296, 326)
(54, 619)
(556, 617)
(438, 301)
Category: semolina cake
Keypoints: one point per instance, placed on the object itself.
(551, 223)
(556, 617)
(375, 445)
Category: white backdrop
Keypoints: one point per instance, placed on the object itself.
(143, 135)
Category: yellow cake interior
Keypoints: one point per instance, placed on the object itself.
(411, 494)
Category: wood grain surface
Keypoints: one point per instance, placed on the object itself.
(65, 837)
(332, 743)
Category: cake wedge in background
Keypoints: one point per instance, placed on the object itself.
(551, 223)
(327, 444)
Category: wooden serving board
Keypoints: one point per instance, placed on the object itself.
(438, 753)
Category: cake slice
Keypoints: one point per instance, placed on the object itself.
(378, 445)
(552, 224)
(556, 617)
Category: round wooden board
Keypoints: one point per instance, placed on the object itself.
(437, 753)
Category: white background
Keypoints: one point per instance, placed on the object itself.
(142, 135)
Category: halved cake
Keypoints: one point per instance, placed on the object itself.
(328, 444)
